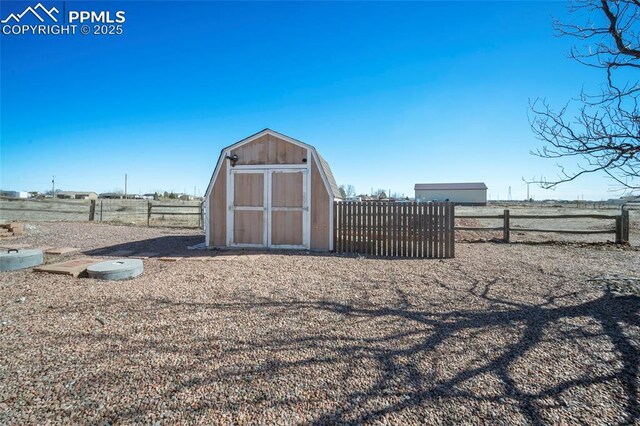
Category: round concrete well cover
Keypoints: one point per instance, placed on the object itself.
(12, 260)
(119, 269)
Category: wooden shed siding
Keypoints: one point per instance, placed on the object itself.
(218, 209)
(248, 189)
(286, 228)
(268, 149)
(248, 227)
(286, 190)
(319, 211)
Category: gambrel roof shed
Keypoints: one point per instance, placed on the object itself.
(270, 190)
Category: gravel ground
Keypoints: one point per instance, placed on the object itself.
(503, 334)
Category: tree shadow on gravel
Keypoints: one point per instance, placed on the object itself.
(401, 380)
(398, 363)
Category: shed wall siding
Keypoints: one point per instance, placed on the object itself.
(218, 209)
(319, 211)
(268, 149)
(471, 196)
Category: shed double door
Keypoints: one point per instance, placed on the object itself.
(269, 208)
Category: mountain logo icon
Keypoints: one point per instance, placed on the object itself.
(34, 11)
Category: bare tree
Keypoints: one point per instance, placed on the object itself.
(347, 191)
(380, 193)
(601, 132)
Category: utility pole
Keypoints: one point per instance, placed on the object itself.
(509, 196)
(53, 186)
(528, 198)
(125, 186)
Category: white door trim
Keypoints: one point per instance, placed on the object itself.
(231, 208)
(306, 211)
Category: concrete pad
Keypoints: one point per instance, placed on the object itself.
(200, 246)
(62, 250)
(71, 267)
(146, 255)
(120, 253)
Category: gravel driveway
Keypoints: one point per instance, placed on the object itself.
(503, 334)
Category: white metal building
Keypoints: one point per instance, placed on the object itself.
(15, 194)
(471, 194)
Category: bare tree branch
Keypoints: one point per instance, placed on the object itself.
(602, 131)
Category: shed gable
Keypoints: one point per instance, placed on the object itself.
(269, 149)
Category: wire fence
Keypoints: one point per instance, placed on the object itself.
(136, 212)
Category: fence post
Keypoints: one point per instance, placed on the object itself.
(148, 213)
(625, 226)
(619, 229)
(335, 227)
(100, 210)
(92, 210)
(200, 216)
(505, 227)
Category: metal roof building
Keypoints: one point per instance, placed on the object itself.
(471, 194)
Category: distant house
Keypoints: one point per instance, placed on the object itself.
(148, 196)
(111, 195)
(624, 200)
(470, 194)
(77, 195)
(15, 194)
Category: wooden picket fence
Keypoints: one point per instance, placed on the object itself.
(378, 228)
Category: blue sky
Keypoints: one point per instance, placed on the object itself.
(390, 93)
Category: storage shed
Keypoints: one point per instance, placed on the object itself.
(470, 194)
(270, 190)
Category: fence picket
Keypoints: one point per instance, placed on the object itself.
(441, 229)
(416, 230)
(452, 231)
(436, 230)
(372, 229)
(387, 230)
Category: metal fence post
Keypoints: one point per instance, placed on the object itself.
(505, 227)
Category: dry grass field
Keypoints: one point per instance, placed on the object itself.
(502, 334)
(134, 212)
(130, 212)
(561, 224)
